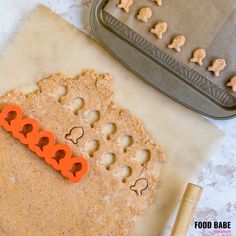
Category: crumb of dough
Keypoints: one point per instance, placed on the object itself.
(198, 56)
(232, 83)
(159, 29)
(177, 42)
(158, 2)
(125, 4)
(144, 14)
(217, 66)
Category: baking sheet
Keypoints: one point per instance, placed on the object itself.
(47, 44)
(204, 24)
(223, 46)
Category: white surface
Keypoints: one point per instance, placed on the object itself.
(218, 178)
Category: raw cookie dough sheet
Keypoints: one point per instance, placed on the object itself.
(95, 192)
(203, 23)
(47, 44)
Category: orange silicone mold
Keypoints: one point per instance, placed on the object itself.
(43, 143)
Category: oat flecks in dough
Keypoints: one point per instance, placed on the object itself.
(232, 83)
(158, 2)
(217, 66)
(198, 56)
(177, 42)
(125, 4)
(159, 29)
(144, 14)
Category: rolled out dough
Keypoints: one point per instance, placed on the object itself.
(47, 44)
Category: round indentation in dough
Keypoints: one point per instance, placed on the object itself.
(108, 159)
(76, 105)
(91, 147)
(61, 92)
(109, 129)
(123, 173)
(92, 117)
(143, 156)
(125, 142)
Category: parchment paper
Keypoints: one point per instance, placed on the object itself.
(223, 46)
(206, 24)
(47, 44)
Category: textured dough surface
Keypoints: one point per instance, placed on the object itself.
(67, 49)
(37, 200)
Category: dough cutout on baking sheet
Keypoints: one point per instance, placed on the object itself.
(198, 21)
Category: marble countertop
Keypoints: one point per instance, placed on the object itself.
(218, 177)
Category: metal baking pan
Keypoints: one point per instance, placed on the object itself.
(159, 69)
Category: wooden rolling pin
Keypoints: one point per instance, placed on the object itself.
(187, 209)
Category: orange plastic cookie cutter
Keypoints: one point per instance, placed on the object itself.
(43, 143)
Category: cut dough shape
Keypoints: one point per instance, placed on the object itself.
(139, 186)
(144, 14)
(125, 4)
(159, 29)
(198, 56)
(158, 2)
(75, 134)
(217, 66)
(177, 42)
(232, 83)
